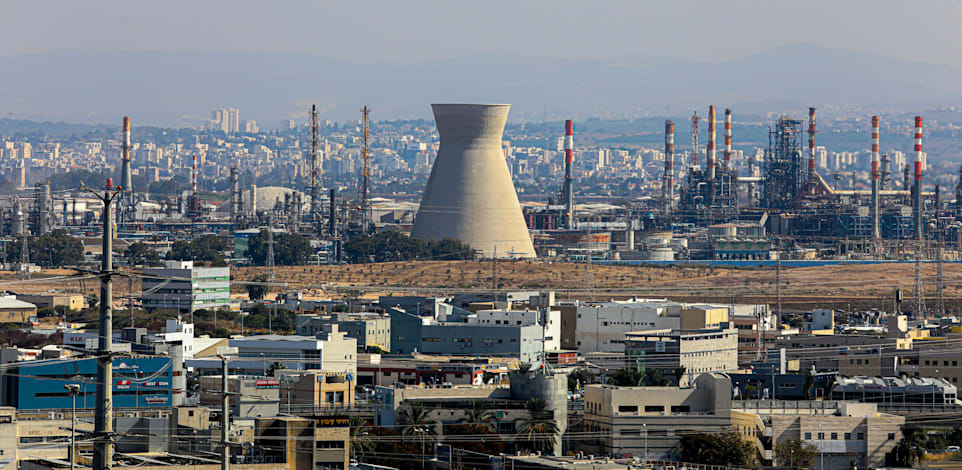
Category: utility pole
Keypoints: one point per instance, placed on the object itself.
(104, 413)
(365, 112)
(224, 417)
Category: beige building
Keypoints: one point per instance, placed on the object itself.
(306, 444)
(698, 351)
(632, 419)
(856, 436)
(67, 301)
(13, 310)
(314, 391)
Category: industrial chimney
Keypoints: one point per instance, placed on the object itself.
(470, 195)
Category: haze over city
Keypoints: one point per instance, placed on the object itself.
(559, 235)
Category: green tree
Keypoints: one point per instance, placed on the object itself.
(290, 249)
(360, 435)
(911, 448)
(726, 448)
(394, 246)
(257, 289)
(654, 378)
(679, 373)
(538, 432)
(53, 250)
(580, 376)
(210, 248)
(141, 254)
(628, 377)
(796, 453)
(479, 416)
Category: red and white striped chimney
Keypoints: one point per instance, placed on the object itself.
(569, 142)
(728, 137)
(710, 150)
(193, 176)
(875, 143)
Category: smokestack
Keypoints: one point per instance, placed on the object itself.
(234, 195)
(668, 185)
(569, 160)
(43, 207)
(728, 138)
(710, 149)
(918, 177)
(811, 147)
(332, 216)
(876, 232)
(193, 176)
(125, 177)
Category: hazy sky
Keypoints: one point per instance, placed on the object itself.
(399, 30)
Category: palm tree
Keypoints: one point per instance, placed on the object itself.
(418, 420)
(360, 442)
(479, 416)
(539, 431)
(418, 423)
(679, 373)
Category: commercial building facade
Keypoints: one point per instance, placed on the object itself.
(184, 288)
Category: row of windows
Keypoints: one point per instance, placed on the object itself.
(944, 363)
(848, 436)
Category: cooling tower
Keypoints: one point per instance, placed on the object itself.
(470, 196)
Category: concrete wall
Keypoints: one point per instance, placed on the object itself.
(469, 195)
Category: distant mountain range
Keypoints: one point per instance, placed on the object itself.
(181, 88)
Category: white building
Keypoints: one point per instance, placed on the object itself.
(177, 332)
(333, 352)
(549, 319)
(182, 287)
(601, 327)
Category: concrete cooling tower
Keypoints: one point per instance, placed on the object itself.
(469, 195)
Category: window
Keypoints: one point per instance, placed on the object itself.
(631, 432)
(628, 408)
(834, 436)
(654, 408)
(821, 436)
(680, 408)
(848, 436)
(891, 436)
(808, 436)
(860, 436)
(330, 444)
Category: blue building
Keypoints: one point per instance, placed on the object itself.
(137, 382)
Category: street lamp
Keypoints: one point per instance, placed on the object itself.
(73, 389)
(645, 425)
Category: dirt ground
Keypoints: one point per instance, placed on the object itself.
(862, 286)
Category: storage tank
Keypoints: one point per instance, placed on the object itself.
(469, 195)
(661, 253)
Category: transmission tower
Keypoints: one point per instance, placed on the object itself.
(940, 306)
(778, 282)
(917, 288)
(270, 251)
(694, 138)
(365, 113)
(315, 200)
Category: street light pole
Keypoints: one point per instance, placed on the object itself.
(72, 389)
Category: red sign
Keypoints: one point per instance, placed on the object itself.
(123, 384)
(267, 383)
